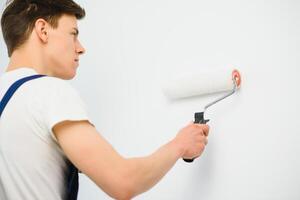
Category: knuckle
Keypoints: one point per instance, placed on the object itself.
(206, 141)
(201, 147)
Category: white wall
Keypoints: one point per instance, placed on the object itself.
(253, 150)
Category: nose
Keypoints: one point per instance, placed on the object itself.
(80, 49)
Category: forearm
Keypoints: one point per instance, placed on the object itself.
(143, 173)
(119, 177)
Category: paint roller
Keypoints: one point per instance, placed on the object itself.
(204, 83)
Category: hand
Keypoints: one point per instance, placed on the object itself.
(192, 139)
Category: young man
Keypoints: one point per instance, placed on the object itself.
(45, 124)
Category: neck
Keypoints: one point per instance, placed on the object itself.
(26, 58)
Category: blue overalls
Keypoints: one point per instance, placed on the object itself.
(72, 173)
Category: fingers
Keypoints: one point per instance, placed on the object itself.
(203, 131)
(205, 128)
(205, 140)
(194, 139)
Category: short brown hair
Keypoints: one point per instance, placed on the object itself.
(19, 17)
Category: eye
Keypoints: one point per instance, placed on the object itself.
(74, 35)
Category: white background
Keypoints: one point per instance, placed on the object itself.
(253, 150)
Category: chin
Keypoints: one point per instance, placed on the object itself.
(67, 76)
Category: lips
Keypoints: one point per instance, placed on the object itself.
(76, 59)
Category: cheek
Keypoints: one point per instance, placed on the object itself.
(60, 52)
(64, 50)
(69, 45)
(65, 47)
(59, 58)
(62, 44)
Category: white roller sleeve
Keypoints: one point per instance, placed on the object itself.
(198, 83)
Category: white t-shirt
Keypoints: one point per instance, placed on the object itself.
(32, 165)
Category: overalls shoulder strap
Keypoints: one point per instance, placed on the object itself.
(13, 88)
(72, 173)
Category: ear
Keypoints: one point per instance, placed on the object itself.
(41, 27)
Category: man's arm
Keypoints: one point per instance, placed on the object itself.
(119, 177)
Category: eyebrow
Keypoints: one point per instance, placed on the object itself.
(76, 30)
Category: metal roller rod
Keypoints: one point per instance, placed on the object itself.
(223, 97)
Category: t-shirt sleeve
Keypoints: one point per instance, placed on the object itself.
(63, 103)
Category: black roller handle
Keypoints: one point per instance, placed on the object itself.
(199, 119)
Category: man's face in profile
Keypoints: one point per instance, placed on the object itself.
(63, 48)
